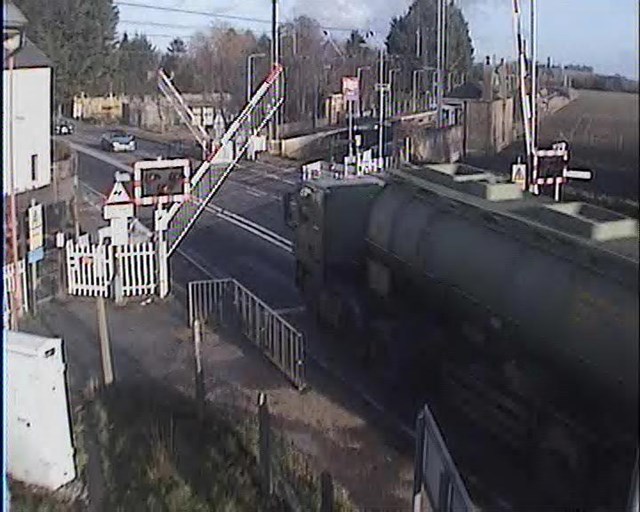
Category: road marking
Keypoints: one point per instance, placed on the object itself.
(254, 191)
(100, 156)
(266, 174)
(255, 229)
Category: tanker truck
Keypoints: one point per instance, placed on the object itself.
(516, 315)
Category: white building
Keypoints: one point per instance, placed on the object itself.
(26, 119)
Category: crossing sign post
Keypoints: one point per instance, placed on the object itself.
(118, 209)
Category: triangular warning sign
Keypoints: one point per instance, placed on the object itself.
(118, 194)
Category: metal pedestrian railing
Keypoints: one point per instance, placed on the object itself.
(232, 305)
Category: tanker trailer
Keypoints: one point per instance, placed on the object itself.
(538, 302)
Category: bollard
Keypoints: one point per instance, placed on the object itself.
(264, 440)
(199, 374)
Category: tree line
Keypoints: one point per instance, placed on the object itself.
(80, 37)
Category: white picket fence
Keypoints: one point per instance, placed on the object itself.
(92, 269)
(137, 265)
(9, 280)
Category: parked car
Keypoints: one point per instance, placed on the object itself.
(63, 127)
(117, 140)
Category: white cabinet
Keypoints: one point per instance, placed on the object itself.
(39, 439)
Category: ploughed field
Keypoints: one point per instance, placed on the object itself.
(601, 128)
(602, 131)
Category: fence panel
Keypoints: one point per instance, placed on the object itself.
(206, 299)
(235, 306)
(136, 264)
(89, 269)
(9, 281)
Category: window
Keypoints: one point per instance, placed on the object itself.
(34, 167)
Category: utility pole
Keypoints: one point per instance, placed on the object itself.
(360, 88)
(534, 97)
(381, 86)
(275, 59)
(441, 44)
(16, 296)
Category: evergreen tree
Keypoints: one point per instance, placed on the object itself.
(422, 17)
(79, 36)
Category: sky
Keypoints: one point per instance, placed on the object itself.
(599, 33)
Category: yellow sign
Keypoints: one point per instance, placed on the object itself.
(518, 174)
(36, 227)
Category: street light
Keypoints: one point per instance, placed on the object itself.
(250, 81)
(359, 77)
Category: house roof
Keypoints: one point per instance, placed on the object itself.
(13, 16)
(30, 56)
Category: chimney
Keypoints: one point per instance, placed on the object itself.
(487, 80)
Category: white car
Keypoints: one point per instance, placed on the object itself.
(118, 141)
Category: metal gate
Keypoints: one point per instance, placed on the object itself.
(93, 268)
(233, 305)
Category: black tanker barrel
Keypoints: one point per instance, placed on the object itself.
(573, 299)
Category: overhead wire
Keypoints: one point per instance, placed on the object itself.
(224, 16)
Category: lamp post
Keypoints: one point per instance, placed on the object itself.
(250, 72)
(392, 97)
(414, 89)
(359, 77)
(250, 81)
(13, 41)
(381, 86)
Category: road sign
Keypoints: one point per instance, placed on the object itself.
(207, 116)
(60, 240)
(35, 255)
(350, 88)
(161, 181)
(117, 211)
(578, 174)
(36, 225)
(519, 173)
(118, 194)
(119, 204)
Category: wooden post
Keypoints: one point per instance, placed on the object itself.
(199, 374)
(105, 343)
(34, 288)
(62, 281)
(264, 440)
(326, 492)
